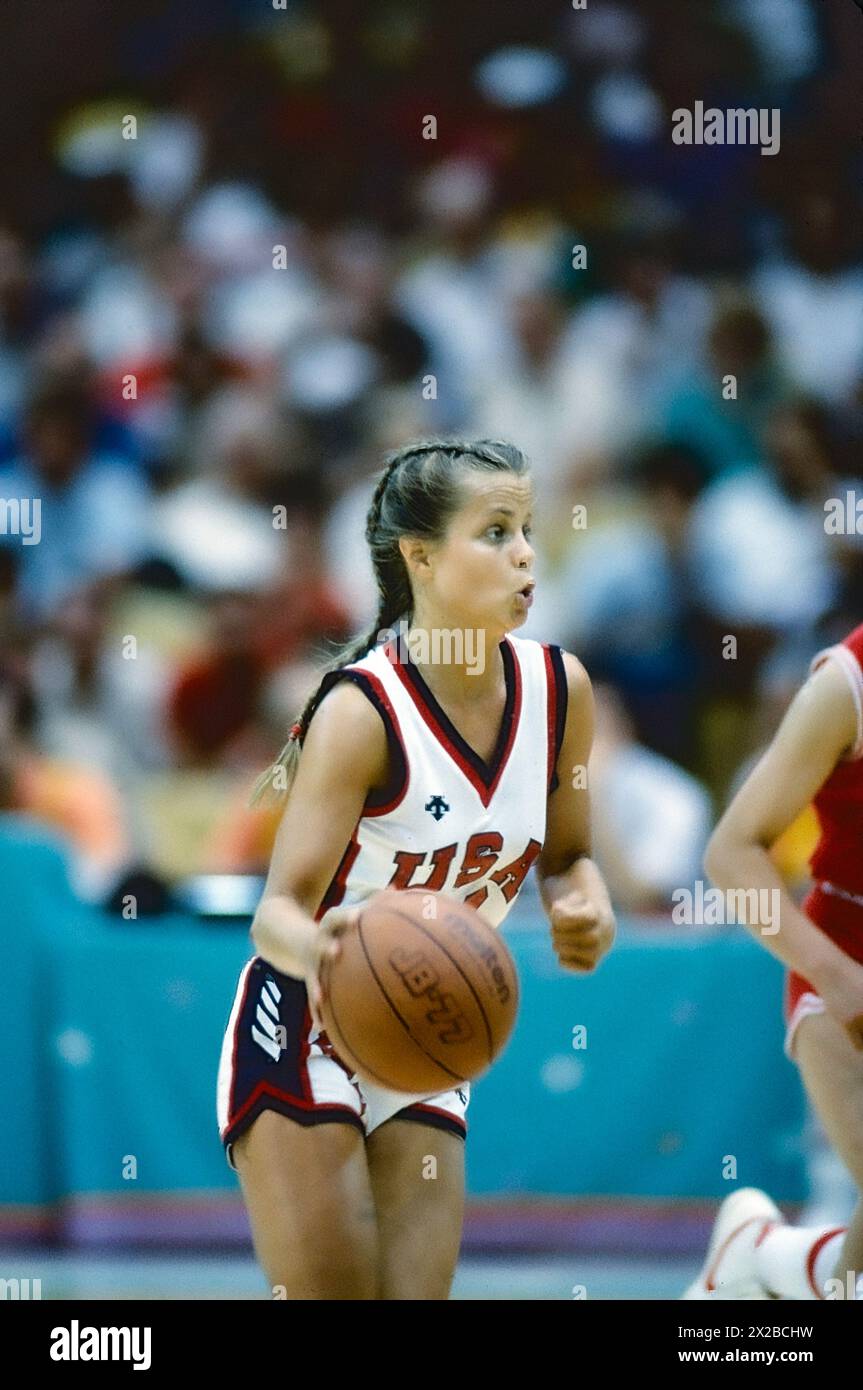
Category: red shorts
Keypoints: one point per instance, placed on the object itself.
(840, 918)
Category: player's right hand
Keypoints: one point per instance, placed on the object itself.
(326, 945)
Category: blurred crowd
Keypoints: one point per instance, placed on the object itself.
(217, 316)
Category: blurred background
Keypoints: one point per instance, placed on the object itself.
(246, 249)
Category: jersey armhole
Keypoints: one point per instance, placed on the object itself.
(854, 675)
(384, 799)
(558, 698)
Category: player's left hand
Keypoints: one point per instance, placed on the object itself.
(582, 932)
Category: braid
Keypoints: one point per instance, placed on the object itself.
(415, 494)
(285, 763)
(373, 520)
(278, 774)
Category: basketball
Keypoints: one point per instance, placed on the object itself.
(424, 995)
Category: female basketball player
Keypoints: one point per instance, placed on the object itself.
(455, 775)
(817, 754)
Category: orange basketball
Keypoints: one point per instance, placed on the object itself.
(424, 994)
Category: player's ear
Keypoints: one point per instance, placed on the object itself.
(417, 555)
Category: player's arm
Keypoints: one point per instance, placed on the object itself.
(819, 726)
(344, 755)
(571, 887)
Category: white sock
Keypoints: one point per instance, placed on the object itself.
(795, 1262)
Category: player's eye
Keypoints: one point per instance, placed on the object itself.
(500, 532)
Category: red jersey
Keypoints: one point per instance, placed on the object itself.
(835, 904)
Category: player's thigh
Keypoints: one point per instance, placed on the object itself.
(311, 1207)
(832, 1071)
(418, 1179)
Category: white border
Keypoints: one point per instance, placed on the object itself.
(808, 1003)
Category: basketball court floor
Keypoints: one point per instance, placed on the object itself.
(215, 1276)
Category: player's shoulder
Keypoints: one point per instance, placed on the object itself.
(346, 715)
(346, 738)
(570, 674)
(847, 653)
(577, 679)
(831, 699)
(579, 697)
(575, 673)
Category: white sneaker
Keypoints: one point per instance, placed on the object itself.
(729, 1269)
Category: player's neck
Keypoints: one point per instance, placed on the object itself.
(460, 667)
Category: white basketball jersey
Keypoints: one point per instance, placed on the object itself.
(447, 822)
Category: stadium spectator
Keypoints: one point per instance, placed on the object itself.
(651, 819)
(73, 797)
(93, 510)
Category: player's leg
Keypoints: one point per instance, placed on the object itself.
(290, 1120)
(311, 1207)
(417, 1176)
(797, 1262)
(832, 1071)
(753, 1251)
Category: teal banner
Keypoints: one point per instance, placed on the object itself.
(661, 1076)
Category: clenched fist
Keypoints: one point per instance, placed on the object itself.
(581, 931)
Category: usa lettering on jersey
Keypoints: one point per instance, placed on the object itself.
(447, 822)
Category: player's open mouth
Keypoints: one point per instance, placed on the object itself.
(526, 594)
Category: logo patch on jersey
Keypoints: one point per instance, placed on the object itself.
(437, 807)
(267, 1032)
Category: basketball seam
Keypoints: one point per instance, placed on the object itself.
(455, 1076)
(455, 966)
(353, 1050)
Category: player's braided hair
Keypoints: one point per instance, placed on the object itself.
(416, 495)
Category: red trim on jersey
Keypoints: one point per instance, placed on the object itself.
(817, 1247)
(384, 698)
(854, 642)
(378, 698)
(484, 790)
(765, 1231)
(264, 1088)
(438, 1110)
(552, 712)
(336, 890)
(713, 1270)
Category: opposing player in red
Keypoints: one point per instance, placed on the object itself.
(816, 756)
(450, 766)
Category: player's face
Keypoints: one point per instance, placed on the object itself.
(486, 562)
